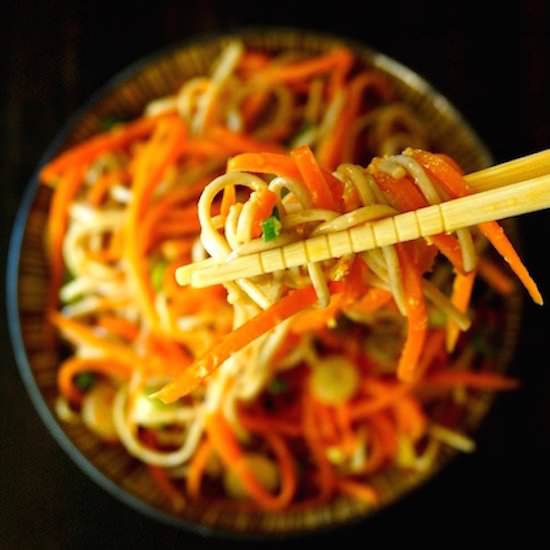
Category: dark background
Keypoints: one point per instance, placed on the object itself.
(490, 62)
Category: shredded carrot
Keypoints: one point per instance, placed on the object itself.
(410, 418)
(197, 467)
(331, 148)
(160, 152)
(75, 365)
(264, 201)
(373, 300)
(265, 163)
(406, 196)
(119, 327)
(416, 314)
(58, 219)
(236, 340)
(359, 490)
(231, 454)
(462, 292)
(238, 142)
(301, 70)
(84, 153)
(312, 436)
(454, 183)
(433, 348)
(313, 178)
(97, 192)
(228, 200)
(478, 380)
(315, 319)
(495, 276)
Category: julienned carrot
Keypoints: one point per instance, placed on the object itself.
(359, 490)
(265, 163)
(462, 292)
(406, 196)
(119, 327)
(327, 479)
(229, 451)
(301, 70)
(160, 152)
(433, 348)
(84, 153)
(495, 276)
(81, 334)
(416, 315)
(167, 486)
(75, 365)
(197, 467)
(236, 340)
(490, 381)
(496, 236)
(58, 218)
(410, 418)
(237, 142)
(373, 300)
(331, 148)
(228, 200)
(454, 183)
(316, 319)
(313, 177)
(264, 201)
(98, 191)
(258, 423)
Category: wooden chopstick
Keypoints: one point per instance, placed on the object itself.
(512, 200)
(524, 168)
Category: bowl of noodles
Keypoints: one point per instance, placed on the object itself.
(306, 426)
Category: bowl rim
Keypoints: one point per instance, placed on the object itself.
(15, 253)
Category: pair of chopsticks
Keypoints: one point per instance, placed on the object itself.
(509, 189)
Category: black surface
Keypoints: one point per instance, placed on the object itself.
(491, 63)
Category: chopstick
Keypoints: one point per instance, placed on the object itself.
(496, 197)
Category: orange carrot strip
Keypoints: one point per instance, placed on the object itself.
(257, 423)
(160, 152)
(119, 327)
(495, 276)
(58, 219)
(496, 236)
(417, 317)
(462, 292)
(81, 334)
(167, 486)
(197, 467)
(410, 418)
(75, 365)
(369, 407)
(236, 340)
(301, 70)
(97, 193)
(359, 490)
(406, 196)
(312, 437)
(433, 347)
(454, 183)
(228, 200)
(265, 163)
(87, 151)
(331, 148)
(265, 201)
(313, 177)
(373, 300)
(231, 454)
(316, 319)
(238, 142)
(478, 380)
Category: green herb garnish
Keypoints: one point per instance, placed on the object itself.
(84, 381)
(157, 275)
(271, 227)
(278, 386)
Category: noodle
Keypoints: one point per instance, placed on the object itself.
(129, 217)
